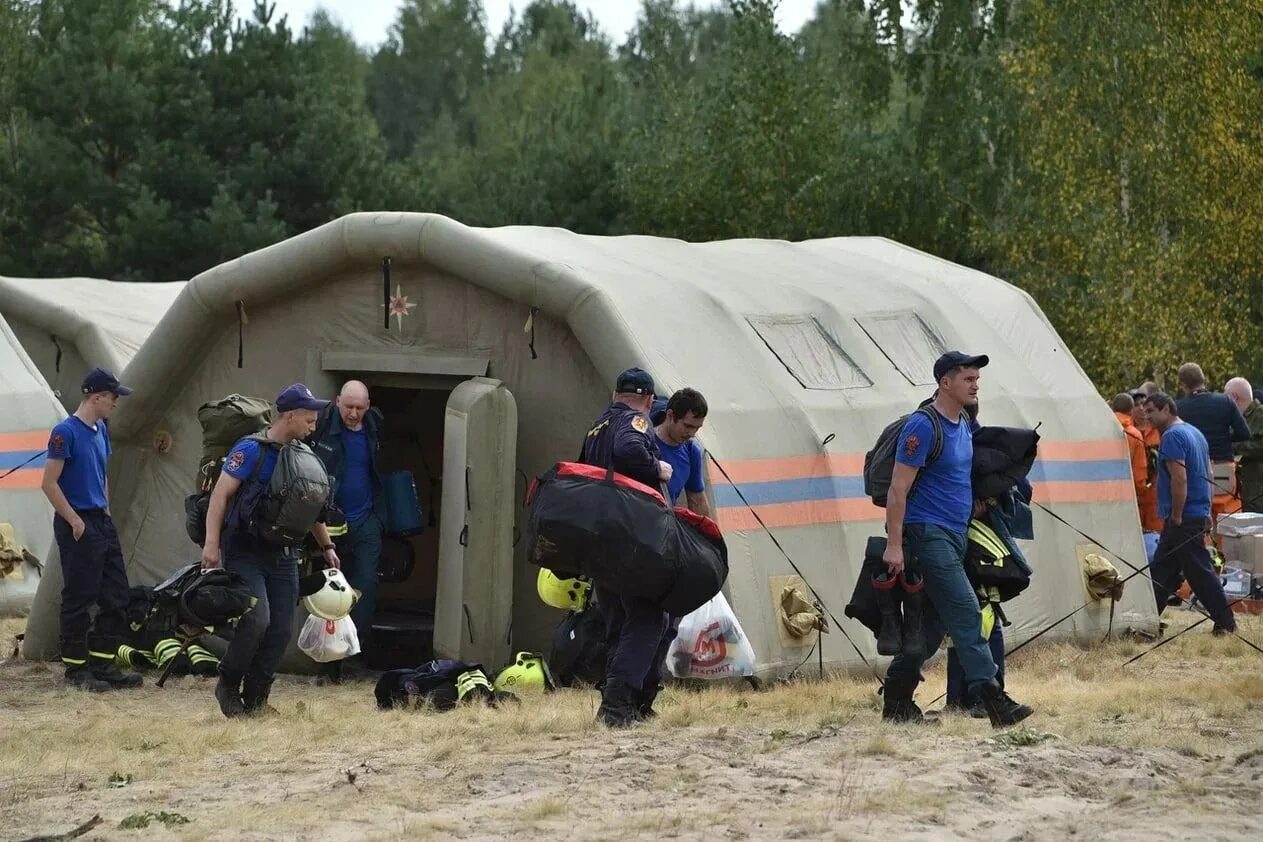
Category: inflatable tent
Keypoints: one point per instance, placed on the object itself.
(69, 326)
(28, 412)
(491, 350)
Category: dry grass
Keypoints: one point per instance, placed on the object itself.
(801, 760)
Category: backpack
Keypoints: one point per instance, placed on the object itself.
(224, 423)
(580, 650)
(879, 463)
(294, 499)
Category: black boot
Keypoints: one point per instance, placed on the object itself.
(645, 700)
(898, 705)
(228, 693)
(913, 606)
(254, 696)
(620, 707)
(80, 675)
(106, 671)
(890, 637)
(1001, 709)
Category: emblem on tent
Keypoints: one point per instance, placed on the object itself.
(400, 306)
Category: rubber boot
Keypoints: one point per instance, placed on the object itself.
(228, 694)
(898, 705)
(80, 676)
(1002, 710)
(108, 672)
(620, 706)
(890, 637)
(254, 697)
(913, 608)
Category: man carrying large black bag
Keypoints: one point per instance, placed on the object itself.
(623, 439)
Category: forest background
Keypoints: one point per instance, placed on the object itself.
(1104, 155)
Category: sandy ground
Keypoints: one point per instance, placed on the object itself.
(1167, 748)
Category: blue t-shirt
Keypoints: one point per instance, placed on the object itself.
(686, 467)
(84, 450)
(355, 488)
(1185, 443)
(943, 494)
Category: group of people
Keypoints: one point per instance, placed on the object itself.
(1194, 459)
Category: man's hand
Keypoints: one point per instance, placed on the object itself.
(1177, 518)
(980, 506)
(76, 527)
(210, 557)
(665, 471)
(331, 559)
(894, 559)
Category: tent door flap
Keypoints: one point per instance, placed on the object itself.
(473, 606)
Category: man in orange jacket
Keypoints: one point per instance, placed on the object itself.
(1149, 520)
(1122, 406)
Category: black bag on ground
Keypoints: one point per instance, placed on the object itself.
(879, 463)
(580, 650)
(620, 533)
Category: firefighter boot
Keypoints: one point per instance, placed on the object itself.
(913, 607)
(80, 675)
(890, 637)
(254, 697)
(228, 693)
(620, 706)
(1001, 709)
(898, 706)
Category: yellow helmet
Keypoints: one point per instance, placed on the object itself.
(566, 594)
(528, 673)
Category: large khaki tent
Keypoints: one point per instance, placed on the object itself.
(490, 351)
(27, 412)
(71, 325)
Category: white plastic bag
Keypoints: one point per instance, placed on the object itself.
(329, 640)
(711, 644)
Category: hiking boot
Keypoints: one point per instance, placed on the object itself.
(331, 673)
(890, 637)
(1000, 708)
(620, 706)
(913, 606)
(116, 678)
(1223, 631)
(82, 678)
(645, 700)
(254, 697)
(228, 694)
(898, 706)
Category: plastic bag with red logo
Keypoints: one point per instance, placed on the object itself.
(711, 644)
(329, 640)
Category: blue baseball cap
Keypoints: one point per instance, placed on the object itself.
(298, 396)
(100, 380)
(955, 359)
(634, 381)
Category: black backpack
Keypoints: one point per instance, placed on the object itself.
(579, 649)
(295, 496)
(879, 463)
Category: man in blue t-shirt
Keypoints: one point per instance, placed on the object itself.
(91, 558)
(249, 666)
(680, 420)
(928, 508)
(347, 439)
(1185, 492)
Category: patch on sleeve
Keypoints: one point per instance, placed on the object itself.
(57, 445)
(640, 424)
(911, 446)
(235, 461)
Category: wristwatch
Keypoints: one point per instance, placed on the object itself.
(328, 547)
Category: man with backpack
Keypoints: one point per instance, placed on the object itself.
(271, 493)
(928, 507)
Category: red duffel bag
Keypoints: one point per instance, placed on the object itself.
(591, 521)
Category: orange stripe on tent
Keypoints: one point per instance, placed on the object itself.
(22, 478)
(809, 513)
(32, 441)
(1111, 491)
(1083, 451)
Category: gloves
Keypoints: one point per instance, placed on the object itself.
(665, 471)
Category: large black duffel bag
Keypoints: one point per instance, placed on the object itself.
(593, 522)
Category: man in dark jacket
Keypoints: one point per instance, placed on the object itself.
(1221, 423)
(623, 438)
(347, 440)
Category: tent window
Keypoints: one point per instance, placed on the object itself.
(809, 353)
(907, 342)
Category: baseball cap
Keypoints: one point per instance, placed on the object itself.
(634, 381)
(955, 359)
(298, 396)
(101, 380)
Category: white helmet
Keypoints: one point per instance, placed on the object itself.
(334, 599)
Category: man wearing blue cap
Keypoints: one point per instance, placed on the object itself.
(249, 666)
(91, 557)
(623, 438)
(928, 508)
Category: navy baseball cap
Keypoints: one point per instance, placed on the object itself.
(955, 359)
(298, 396)
(100, 380)
(634, 381)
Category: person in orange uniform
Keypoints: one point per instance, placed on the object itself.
(1150, 523)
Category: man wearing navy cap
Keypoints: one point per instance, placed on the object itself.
(91, 558)
(623, 438)
(249, 666)
(926, 528)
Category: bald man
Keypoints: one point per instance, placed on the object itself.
(347, 440)
(1249, 453)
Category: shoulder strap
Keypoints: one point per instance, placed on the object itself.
(936, 450)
